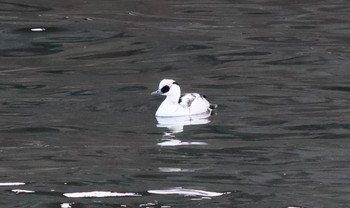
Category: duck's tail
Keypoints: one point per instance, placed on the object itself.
(213, 106)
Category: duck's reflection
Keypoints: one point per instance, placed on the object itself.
(175, 125)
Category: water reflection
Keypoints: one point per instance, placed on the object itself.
(176, 142)
(186, 192)
(12, 184)
(175, 125)
(17, 191)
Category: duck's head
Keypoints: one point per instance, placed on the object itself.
(168, 87)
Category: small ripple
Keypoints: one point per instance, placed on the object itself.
(272, 100)
(57, 71)
(270, 122)
(132, 88)
(224, 77)
(22, 104)
(21, 86)
(41, 129)
(303, 27)
(298, 60)
(81, 39)
(82, 93)
(191, 47)
(74, 183)
(315, 127)
(337, 88)
(14, 114)
(30, 130)
(35, 49)
(166, 68)
(114, 54)
(21, 7)
(217, 86)
(249, 53)
(310, 100)
(260, 13)
(193, 11)
(231, 57)
(187, 192)
(276, 39)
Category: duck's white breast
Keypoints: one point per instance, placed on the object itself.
(167, 109)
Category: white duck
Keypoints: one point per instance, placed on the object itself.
(187, 105)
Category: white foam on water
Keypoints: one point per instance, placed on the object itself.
(18, 191)
(175, 170)
(37, 29)
(98, 194)
(12, 184)
(186, 192)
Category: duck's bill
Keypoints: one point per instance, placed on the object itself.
(157, 92)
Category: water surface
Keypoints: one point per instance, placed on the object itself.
(77, 125)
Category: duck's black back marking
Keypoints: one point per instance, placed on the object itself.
(180, 100)
(176, 83)
(165, 89)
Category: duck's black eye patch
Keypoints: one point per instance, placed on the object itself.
(165, 89)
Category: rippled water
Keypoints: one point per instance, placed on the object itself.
(77, 125)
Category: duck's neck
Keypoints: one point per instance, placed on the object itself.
(172, 99)
(174, 95)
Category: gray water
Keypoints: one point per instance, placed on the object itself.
(76, 115)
